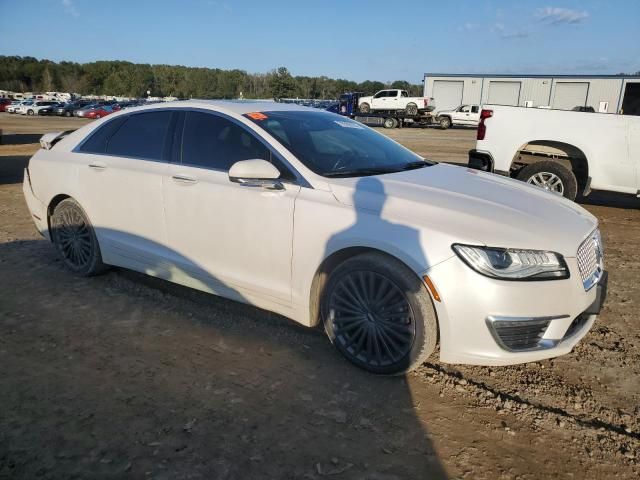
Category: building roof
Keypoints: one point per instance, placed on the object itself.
(530, 75)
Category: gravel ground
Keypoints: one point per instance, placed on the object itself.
(123, 376)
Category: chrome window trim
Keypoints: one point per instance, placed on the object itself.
(299, 179)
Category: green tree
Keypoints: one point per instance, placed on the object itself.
(282, 83)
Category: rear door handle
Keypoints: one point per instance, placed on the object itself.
(97, 166)
(184, 179)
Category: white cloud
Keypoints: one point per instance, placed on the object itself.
(70, 8)
(224, 6)
(502, 31)
(558, 15)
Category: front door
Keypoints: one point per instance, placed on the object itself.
(233, 240)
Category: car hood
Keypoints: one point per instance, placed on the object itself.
(472, 207)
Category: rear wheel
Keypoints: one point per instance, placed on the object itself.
(389, 123)
(67, 113)
(411, 109)
(364, 107)
(379, 315)
(29, 112)
(75, 239)
(444, 122)
(551, 176)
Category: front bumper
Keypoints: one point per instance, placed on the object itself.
(561, 310)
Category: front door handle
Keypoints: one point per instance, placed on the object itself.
(97, 166)
(184, 179)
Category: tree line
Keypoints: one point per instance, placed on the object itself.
(119, 78)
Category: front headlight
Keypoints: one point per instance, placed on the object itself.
(513, 264)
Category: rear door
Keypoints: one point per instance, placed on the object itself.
(124, 163)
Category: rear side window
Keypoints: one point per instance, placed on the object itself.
(97, 142)
(214, 142)
(142, 135)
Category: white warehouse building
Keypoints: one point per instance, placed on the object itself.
(604, 93)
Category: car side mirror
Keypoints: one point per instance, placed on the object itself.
(256, 173)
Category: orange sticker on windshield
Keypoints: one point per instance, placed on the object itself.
(257, 116)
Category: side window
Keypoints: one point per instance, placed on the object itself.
(464, 109)
(404, 93)
(474, 109)
(380, 94)
(97, 141)
(142, 135)
(214, 142)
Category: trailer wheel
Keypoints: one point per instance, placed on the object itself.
(445, 122)
(389, 123)
(411, 109)
(364, 107)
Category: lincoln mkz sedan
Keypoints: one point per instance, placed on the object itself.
(327, 222)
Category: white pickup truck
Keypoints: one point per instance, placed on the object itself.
(468, 115)
(395, 99)
(565, 152)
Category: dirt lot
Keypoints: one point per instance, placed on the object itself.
(121, 376)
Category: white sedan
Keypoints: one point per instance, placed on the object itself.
(325, 221)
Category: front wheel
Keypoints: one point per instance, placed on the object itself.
(411, 109)
(551, 176)
(444, 122)
(29, 112)
(389, 123)
(67, 113)
(75, 239)
(364, 108)
(379, 315)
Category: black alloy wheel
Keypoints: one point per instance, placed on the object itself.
(75, 239)
(372, 319)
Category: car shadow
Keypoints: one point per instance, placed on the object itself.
(12, 168)
(610, 199)
(20, 138)
(126, 376)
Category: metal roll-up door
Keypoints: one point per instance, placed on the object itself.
(504, 93)
(447, 94)
(570, 94)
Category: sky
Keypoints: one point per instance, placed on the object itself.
(353, 39)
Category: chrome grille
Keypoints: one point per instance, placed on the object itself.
(589, 258)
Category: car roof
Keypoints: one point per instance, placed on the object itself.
(238, 107)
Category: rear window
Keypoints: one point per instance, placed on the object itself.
(141, 136)
(97, 142)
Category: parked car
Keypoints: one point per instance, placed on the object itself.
(323, 220)
(68, 109)
(4, 103)
(23, 105)
(98, 111)
(11, 108)
(394, 100)
(82, 112)
(468, 115)
(563, 151)
(582, 108)
(38, 108)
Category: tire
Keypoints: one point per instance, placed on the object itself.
(444, 122)
(355, 321)
(364, 108)
(552, 176)
(411, 109)
(67, 113)
(29, 112)
(75, 239)
(389, 123)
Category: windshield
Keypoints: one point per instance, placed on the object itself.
(335, 146)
